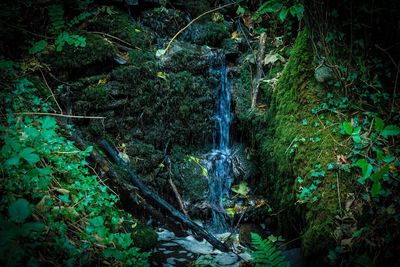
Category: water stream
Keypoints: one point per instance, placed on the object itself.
(218, 162)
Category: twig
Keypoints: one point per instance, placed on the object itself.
(178, 197)
(114, 37)
(52, 94)
(338, 193)
(59, 115)
(397, 65)
(190, 23)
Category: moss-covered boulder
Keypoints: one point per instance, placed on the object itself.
(95, 54)
(120, 25)
(296, 148)
(209, 33)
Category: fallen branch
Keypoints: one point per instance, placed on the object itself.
(178, 197)
(156, 199)
(59, 115)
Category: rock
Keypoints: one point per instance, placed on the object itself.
(164, 235)
(209, 33)
(243, 168)
(294, 256)
(245, 232)
(194, 246)
(226, 259)
(324, 74)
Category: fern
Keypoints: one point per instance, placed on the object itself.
(71, 39)
(56, 15)
(266, 254)
(78, 19)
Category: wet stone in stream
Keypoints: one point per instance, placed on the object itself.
(185, 251)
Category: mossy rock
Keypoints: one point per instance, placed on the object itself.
(296, 94)
(119, 24)
(97, 51)
(164, 22)
(195, 7)
(208, 33)
(145, 237)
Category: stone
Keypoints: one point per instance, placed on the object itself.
(226, 259)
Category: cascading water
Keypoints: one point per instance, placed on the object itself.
(219, 165)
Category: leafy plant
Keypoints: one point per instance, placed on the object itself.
(266, 254)
(47, 185)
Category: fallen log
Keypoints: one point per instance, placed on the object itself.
(156, 199)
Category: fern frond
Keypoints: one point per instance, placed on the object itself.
(56, 16)
(78, 19)
(266, 254)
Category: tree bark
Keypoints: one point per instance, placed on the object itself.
(259, 73)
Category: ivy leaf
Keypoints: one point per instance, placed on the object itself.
(19, 210)
(241, 189)
(49, 123)
(379, 124)
(348, 128)
(29, 156)
(13, 161)
(365, 167)
(38, 47)
(390, 130)
(357, 139)
(97, 221)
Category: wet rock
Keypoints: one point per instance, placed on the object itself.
(246, 230)
(163, 20)
(243, 167)
(225, 259)
(209, 33)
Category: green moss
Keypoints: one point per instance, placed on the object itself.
(284, 158)
(209, 33)
(97, 94)
(97, 50)
(121, 26)
(144, 237)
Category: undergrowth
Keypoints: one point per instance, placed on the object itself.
(54, 208)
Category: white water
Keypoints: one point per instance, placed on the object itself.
(218, 163)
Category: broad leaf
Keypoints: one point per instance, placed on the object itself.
(390, 130)
(241, 189)
(379, 124)
(19, 210)
(38, 47)
(348, 128)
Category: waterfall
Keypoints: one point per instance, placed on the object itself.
(218, 163)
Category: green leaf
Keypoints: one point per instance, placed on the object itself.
(241, 189)
(283, 14)
(64, 198)
(348, 128)
(97, 221)
(19, 210)
(379, 124)
(38, 47)
(365, 167)
(27, 229)
(13, 161)
(49, 123)
(390, 130)
(29, 156)
(357, 139)
(240, 11)
(376, 188)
